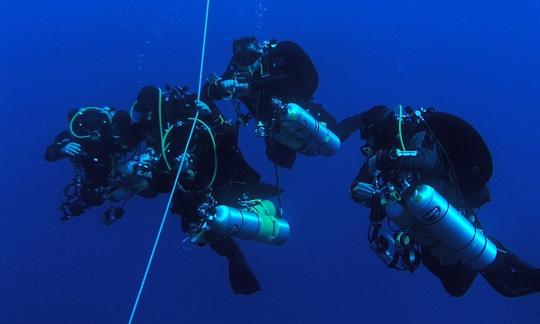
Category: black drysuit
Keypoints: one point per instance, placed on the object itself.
(288, 74)
(509, 275)
(234, 176)
(99, 156)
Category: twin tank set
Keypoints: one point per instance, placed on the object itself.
(457, 239)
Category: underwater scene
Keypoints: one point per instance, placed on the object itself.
(270, 161)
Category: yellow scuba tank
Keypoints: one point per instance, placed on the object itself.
(258, 222)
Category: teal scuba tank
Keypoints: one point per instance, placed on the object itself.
(299, 130)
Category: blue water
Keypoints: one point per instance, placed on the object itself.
(477, 59)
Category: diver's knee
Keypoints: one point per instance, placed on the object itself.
(226, 247)
(506, 291)
(456, 291)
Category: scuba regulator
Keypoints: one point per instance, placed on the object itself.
(395, 247)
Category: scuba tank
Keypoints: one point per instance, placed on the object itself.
(299, 130)
(276, 73)
(446, 223)
(256, 222)
(428, 218)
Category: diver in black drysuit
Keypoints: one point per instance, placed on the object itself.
(98, 139)
(234, 176)
(260, 72)
(454, 160)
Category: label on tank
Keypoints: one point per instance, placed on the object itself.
(432, 216)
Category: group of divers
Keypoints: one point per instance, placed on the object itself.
(425, 174)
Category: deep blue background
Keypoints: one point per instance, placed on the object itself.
(477, 59)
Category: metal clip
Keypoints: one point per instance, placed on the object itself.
(260, 129)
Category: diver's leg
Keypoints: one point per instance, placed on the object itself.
(241, 277)
(456, 279)
(510, 275)
(318, 111)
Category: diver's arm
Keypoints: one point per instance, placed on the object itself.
(348, 126)
(215, 118)
(208, 110)
(362, 181)
(272, 81)
(54, 151)
(358, 122)
(212, 90)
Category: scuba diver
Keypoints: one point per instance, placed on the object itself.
(96, 143)
(220, 196)
(276, 82)
(426, 172)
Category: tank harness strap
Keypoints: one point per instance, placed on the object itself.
(276, 172)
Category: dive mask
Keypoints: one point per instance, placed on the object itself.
(91, 123)
(247, 57)
(367, 151)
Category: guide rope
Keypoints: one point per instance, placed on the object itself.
(165, 213)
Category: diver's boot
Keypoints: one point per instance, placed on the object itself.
(112, 214)
(241, 277)
(243, 280)
(513, 260)
(511, 276)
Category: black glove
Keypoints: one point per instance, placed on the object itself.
(387, 160)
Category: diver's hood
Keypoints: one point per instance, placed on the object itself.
(148, 102)
(147, 99)
(371, 120)
(380, 123)
(90, 123)
(242, 44)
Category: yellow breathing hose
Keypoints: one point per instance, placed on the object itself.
(80, 112)
(165, 135)
(400, 133)
(131, 111)
(161, 134)
(214, 146)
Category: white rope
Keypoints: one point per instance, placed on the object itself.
(171, 196)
